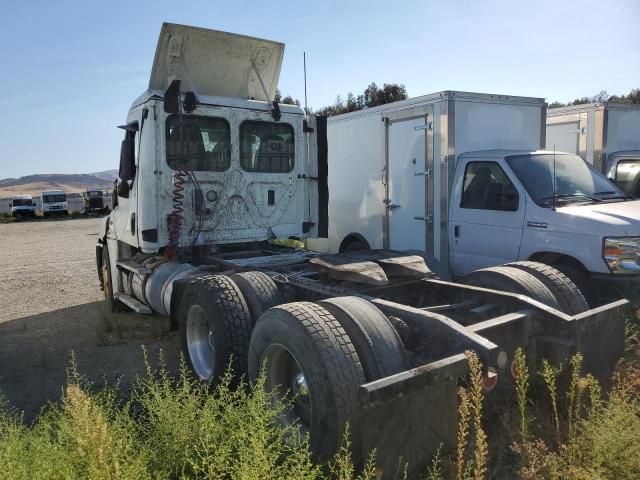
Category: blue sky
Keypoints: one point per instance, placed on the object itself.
(70, 69)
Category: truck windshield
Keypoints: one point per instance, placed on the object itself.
(22, 202)
(94, 194)
(198, 143)
(59, 197)
(575, 180)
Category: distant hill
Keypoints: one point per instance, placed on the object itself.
(72, 183)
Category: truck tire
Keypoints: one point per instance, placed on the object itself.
(569, 297)
(580, 278)
(259, 291)
(513, 280)
(215, 326)
(107, 282)
(304, 349)
(377, 343)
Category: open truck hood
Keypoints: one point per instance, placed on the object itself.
(210, 62)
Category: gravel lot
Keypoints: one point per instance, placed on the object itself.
(51, 306)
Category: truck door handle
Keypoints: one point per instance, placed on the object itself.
(456, 231)
(393, 206)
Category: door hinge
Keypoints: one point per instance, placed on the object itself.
(428, 218)
(427, 173)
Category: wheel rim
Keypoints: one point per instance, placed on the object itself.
(200, 343)
(289, 385)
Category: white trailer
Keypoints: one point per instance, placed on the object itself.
(606, 135)
(461, 177)
(209, 175)
(54, 202)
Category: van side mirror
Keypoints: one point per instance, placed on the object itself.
(10, 204)
(172, 98)
(127, 169)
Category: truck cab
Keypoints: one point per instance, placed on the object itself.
(54, 202)
(545, 206)
(208, 159)
(22, 205)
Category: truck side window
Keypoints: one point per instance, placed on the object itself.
(487, 187)
(198, 143)
(266, 147)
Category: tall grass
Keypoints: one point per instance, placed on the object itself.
(169, 428)
(181, 428)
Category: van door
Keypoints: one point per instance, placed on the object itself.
(487, 216)
(407, 184)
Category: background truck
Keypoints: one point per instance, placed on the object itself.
(606, 135)
(54, 202)
(22, 206)
(460, 176)
(93, 202)
(373, 338)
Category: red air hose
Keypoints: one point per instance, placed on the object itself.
(175, 217)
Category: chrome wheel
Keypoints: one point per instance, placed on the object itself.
(287, 381)
(200, 342)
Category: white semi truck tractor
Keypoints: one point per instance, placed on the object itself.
(212, 170)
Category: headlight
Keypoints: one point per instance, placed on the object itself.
(622, 254)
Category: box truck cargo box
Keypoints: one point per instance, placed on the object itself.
(606, 135)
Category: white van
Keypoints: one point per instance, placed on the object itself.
(22, 205)
(461, 176)
(54, 202)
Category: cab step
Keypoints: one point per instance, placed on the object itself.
(132, 266)
(133, 304)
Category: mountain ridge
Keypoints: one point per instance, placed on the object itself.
(69, 182)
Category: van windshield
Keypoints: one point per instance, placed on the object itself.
(575, 180)
(22, 202)
(59, 197)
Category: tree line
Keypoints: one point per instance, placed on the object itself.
(374, 95)
(632, 97)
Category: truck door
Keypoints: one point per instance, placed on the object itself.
(407, 184)
(487, 216)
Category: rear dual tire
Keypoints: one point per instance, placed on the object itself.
(318, 354)
(538, 281)
(215, 327)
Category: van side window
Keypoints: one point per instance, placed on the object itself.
(266, 147)
(487, 187)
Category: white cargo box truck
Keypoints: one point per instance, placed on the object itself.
(606, 135)
(460, 176)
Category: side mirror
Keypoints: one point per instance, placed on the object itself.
(172, 98)
(127, 166)
(10, 205)
(33, 204)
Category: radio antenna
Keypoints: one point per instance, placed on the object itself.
(304, 62)
(554, 176)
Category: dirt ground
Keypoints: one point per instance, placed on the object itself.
(51, 306)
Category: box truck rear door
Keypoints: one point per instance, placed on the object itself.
(407, 185)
